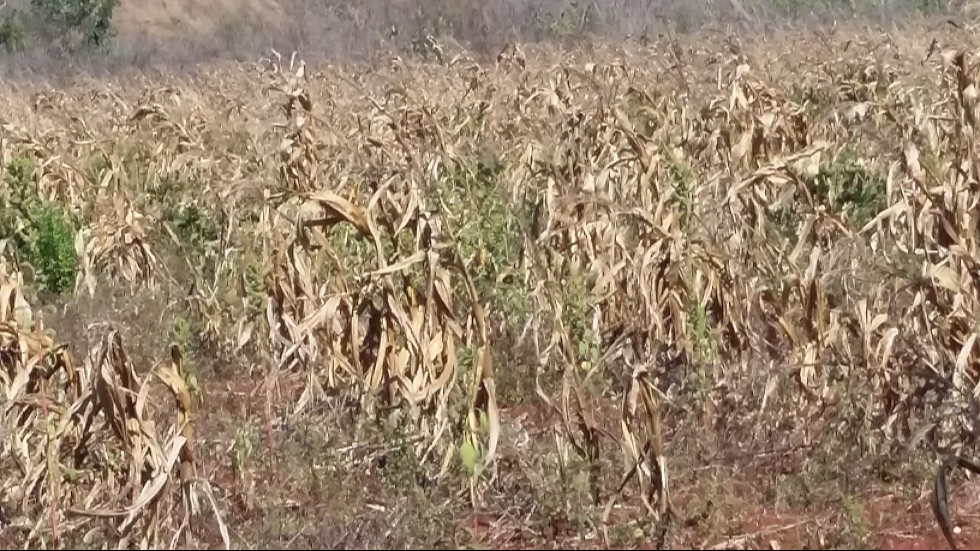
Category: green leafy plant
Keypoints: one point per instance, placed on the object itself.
(52, 249)
(13, 31)
(489, 235)
(699, 331)
(851, 188)
(42, 232)
(469, 455)
(242, 450)
(683, 180)
(89, 19)
(193, 226)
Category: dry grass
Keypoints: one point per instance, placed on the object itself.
(179, 33)
(603, 296)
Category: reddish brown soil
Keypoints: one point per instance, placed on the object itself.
(746, 519)
(890, 523)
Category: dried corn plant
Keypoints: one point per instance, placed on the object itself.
(91, 464)
(119, 247)
(391, 326)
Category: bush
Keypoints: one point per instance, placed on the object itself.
(89, 20)
(13, 33)
(52, 250)
(42, 233)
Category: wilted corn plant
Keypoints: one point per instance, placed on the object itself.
(91, 466)
(389, 329)
(619, 236)
(942, 218)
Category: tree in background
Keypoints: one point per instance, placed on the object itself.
(69, 25)
(88, 20)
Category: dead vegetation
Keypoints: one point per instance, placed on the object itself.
(584, 294)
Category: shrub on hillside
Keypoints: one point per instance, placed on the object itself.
(88, 20)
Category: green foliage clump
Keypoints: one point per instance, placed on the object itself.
(52, 249)
(13, 31)
(42, 233)
(851, 188)
(89, 20)
(192, 224)
(489, 236)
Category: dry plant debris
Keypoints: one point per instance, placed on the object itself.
(673, 254)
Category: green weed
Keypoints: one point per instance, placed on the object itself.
(850, 188)
(42, 232)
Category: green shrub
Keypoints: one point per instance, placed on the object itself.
(13, 32)
(850, 188)
(52, 250)
(42, 233)
(91, 19)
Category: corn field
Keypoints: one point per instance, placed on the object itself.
(574, 290)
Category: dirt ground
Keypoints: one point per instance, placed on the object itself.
(738, 514)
